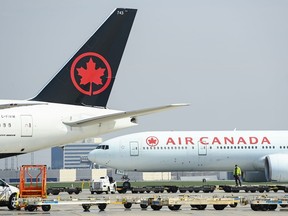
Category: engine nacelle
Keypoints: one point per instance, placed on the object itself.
(276, 167)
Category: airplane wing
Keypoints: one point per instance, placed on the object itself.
(120, 115)
(7, 105)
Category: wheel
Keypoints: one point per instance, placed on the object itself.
(86, 207)
(31, 208)
(233, 205)
(182, 191)
(143, 206)
(199, 207)
(99, 192)
(55, 192)
(272, 207)
(92, 192)
(77, 192)
(264, 207)
(102, 206)
(219, 207)
(255, 207)
(127, 205)
(196, 191)
(12, 202)
(126, 185)
(70, 192)
(46, 208)
(174, 207)
(156, 207)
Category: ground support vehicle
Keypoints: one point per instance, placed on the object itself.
(69, 190)
(167, 188)
(31, 204)
(8, 195)
(253, 188)
(104, 184)
(197, 189)
(198, 202)
(265, 203)
(32, 186)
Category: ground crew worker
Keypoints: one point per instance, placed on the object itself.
(237, 175)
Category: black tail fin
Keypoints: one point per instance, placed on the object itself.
(88, 77)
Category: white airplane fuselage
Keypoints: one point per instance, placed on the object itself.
(197, 151)
(29, 128)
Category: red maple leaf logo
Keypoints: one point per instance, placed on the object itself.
(152, 141)
(91, 74)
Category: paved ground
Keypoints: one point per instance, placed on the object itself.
(136, 210)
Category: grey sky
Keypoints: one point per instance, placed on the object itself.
(228, 59)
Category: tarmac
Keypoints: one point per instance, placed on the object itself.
(118, 209)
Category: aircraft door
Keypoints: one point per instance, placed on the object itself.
(134, 148)
(26, 126)
(202, 149)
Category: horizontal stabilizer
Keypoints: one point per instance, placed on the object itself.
(120, 115)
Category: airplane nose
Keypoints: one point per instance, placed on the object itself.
(91, 156)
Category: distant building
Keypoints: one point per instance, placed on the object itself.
(57, 158)
(74, 156)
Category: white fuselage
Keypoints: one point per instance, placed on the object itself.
(195, 151)
(29, 128)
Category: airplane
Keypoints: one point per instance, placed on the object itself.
(161, 151)
(72, 106)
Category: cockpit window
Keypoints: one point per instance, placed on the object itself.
(104, 147)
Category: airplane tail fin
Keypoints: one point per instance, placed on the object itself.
(88, 77)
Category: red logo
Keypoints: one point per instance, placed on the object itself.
(90, 73)
(152, 141)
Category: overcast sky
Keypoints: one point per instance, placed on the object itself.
(228, 59)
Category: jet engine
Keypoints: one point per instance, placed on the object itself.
(276, 167)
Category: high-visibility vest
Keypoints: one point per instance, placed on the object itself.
(237, 171)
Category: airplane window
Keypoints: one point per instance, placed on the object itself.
(164, 147)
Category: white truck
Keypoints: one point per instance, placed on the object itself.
(8, 195)
(104, 184)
